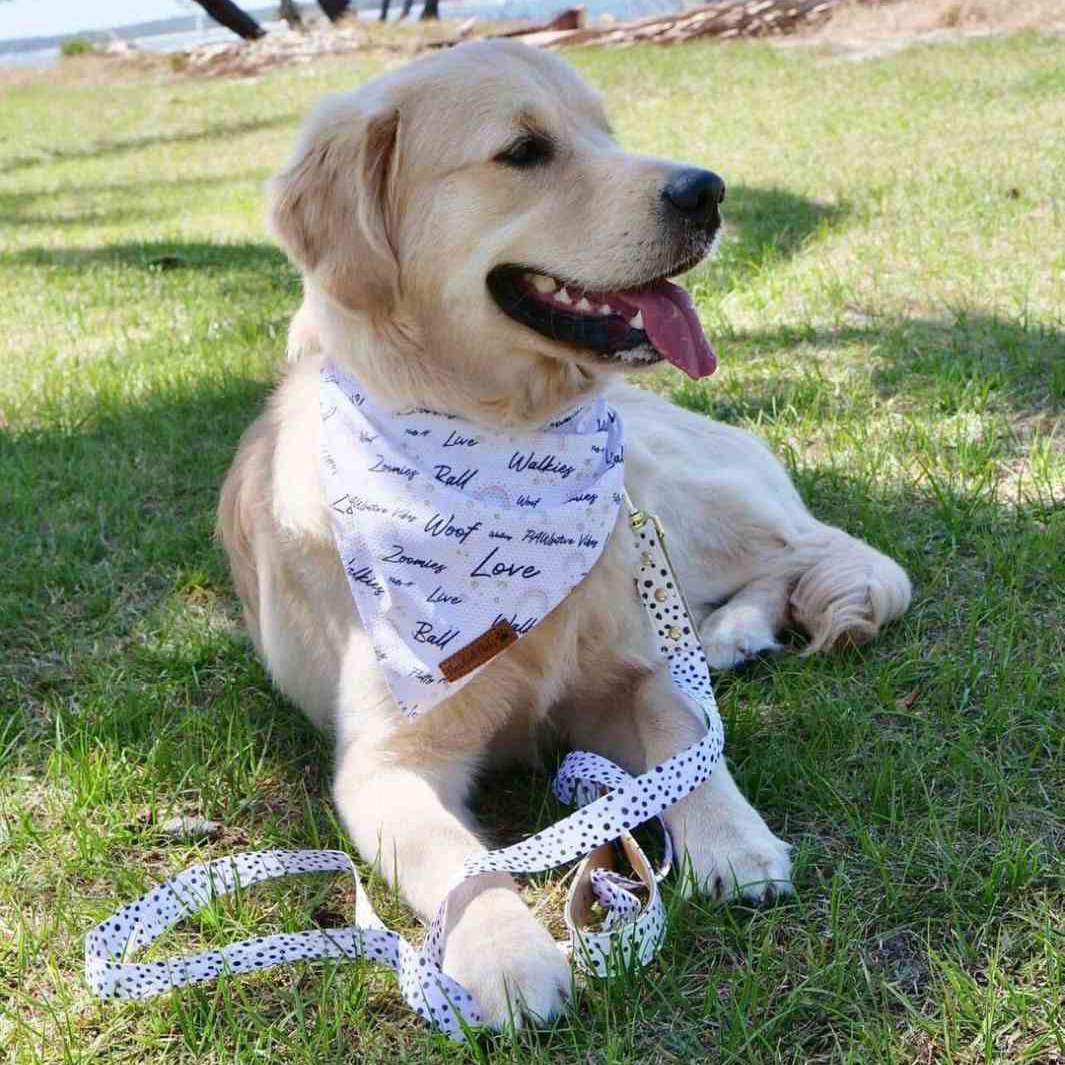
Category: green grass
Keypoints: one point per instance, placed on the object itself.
(76, 46)
(889, 308)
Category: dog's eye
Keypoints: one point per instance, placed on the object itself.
(527, 151)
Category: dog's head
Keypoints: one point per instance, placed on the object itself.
(471, 220)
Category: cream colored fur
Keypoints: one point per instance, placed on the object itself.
(395, 210)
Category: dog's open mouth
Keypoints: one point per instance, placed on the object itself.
(637, 326)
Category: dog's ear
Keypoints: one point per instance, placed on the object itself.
(331, 207)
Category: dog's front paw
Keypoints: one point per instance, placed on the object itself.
(507, 960)
(738, 859)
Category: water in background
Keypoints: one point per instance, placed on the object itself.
(209, 32)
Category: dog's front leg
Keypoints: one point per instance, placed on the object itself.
(409, 816)
(729, 847)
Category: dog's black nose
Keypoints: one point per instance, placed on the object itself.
(695, 194)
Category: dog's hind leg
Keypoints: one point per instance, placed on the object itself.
(747, 625)
(846, 590)
(742, 538)
(833, 586)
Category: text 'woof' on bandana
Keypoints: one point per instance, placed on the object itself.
(457, 539)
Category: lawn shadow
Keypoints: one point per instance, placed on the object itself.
(118, 621)
(762, 228)
(109, 519)
(968, 361)
(22, 208)
(106, 535)
(107, 148)
(775, 221)
(153, 255)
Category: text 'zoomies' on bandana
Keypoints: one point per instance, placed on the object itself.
(448, 531)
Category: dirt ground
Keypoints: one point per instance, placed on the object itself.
(866, 29)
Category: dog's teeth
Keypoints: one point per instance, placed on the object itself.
(605, 309)
(543, 284)
(563, 296)
(583, 304)
(636, 321)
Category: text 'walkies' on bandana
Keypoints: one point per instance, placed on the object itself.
(457, 539)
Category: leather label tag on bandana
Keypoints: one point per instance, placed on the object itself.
(474, 655)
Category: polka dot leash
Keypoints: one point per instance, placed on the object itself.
(610, 802)
(427, 990)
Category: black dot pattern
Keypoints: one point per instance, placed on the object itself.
(631, 932)
(427, 990)
(610, 802)
(614, 894)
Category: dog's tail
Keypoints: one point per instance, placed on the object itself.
(848, 592)
(237, 520)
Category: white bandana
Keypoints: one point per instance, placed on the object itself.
(457, 539)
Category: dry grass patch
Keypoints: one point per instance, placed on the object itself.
(864, 24)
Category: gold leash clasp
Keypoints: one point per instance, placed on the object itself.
(639, 518)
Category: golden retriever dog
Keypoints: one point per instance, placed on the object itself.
(446, 218)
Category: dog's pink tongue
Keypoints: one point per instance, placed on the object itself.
(672, 326)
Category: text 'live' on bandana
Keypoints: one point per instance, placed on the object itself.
(457, 539)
